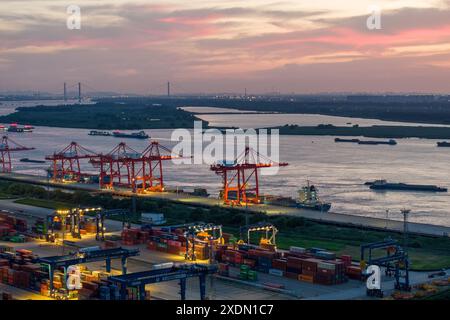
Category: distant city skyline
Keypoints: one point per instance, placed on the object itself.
(302, 47)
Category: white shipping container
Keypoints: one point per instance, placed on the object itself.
(297, 249)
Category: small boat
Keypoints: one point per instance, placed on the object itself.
(309, 199)
(133, 135)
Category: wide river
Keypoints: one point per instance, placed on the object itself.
(338, 169)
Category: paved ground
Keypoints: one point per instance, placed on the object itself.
(387, 287)
(20, 294)
(216, 288)
(223, 289)
(272, 210)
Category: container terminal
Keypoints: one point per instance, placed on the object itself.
(94, 253)
(121, 261)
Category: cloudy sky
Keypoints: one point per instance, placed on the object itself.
(300, 46)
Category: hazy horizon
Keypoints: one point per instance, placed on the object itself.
(301, 47)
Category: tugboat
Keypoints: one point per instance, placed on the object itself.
(309, 199)
(134, 135)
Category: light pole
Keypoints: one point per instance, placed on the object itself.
(387, 218)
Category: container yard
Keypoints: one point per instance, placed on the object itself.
(40, 267)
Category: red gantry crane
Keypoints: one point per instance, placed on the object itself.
(6, 147)
(142, 172)
(150, 177)
(238, 176)
(118, 167)
(66, 163)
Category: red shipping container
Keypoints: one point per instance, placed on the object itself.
(293, 262)
(325, 271)
(279, 264)
(308, 272)
(249, 262)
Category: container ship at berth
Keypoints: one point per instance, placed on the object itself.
(309, 199)
(384, 185)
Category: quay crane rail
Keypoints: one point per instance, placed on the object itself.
(6, 147)
(238, 175)
(66, 163)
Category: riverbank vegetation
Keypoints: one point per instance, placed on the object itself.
(159, 113)
(427, 253)
(416, 109)
(105, 116)
(389, 132)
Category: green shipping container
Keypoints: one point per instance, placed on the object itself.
(252, 275)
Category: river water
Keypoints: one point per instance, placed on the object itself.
(338, 169)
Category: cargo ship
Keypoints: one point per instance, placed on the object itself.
(99, 133)
(390, 142)
(346, 140)
(384, 185)
(443, 144)
(31, 160)
(133, 135)
(309, 199)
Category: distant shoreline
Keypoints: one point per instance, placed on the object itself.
(387, 132)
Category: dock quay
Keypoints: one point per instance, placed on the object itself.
(206, 202)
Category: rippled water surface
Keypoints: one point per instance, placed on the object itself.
(338, 169)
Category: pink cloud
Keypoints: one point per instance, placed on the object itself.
(351, 38)
(192, 21)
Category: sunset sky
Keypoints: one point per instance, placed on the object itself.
(210, 46)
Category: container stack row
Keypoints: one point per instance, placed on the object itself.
(308, 265)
